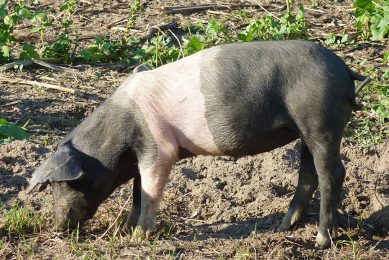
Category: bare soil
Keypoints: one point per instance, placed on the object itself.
(213, 207)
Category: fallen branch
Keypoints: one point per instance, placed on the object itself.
(268, 12)
(52, 66)
(27, 63)
(45, 131)
(41, 84)
(16, 64)
(204, 7)
(11, 103)
(162, 27)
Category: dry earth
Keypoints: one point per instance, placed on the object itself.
(214, 207)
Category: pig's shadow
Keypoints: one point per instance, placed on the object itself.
(372, 228)
(237, 229)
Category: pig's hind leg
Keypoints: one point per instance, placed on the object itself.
(331, 174)
(323, 141)
(307, 184)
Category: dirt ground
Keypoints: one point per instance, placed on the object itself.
(213, 207)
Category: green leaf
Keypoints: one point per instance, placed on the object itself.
(39, 17)
(300, 13)
(36, 29)
(6, 51)
(3, 12)
(386, 56)
(195, 45)
(379, 27)
(330, 39)
(215, 27)
(344, 38)
(8, 21)
(3, 3)
(28, 52)
(24, 12)
(364, 5)
(11, 130)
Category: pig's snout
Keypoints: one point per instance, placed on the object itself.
(69, 218)
(70, 207)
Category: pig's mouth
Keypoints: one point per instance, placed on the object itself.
(72, 219)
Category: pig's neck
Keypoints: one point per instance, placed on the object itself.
(113, 131)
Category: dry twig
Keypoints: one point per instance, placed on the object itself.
(26, 63)
(162, 27)
(52, 66)
(16, 64)
(115, 221)
(41, 84)
(11, 103)
(204, 7)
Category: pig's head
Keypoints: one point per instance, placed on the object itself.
(79, 183)
(89, 164)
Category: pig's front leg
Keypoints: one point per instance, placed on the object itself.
(133, 217)
(153, 179)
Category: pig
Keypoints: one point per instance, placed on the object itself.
(236, 100)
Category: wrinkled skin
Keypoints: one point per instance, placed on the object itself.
(237, 100)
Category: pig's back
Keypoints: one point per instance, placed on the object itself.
(225, 100)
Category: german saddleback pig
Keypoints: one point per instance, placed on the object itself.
(237, 99)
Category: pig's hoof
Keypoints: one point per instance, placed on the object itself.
(322, 240)
(289, 220)
(285, 225)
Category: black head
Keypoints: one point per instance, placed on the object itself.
(80, 182)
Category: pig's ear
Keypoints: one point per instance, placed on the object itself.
(64, 165)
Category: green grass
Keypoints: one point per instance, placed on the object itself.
(348, 242)
(21, 220)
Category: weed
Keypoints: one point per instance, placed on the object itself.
(29, 51)
(372, 18)
(361, 222)
(242, 253)
(365, 132)
(24, 249)
(42, 23)
(60, 48)
(346, 242)
(160, 50)
(105, 49)
(157, 51)
(84, 249)
(137, 235)
(6, 26)
(289, 26)
(3, 244)
(21, 220)
(69, 6)
(135, 9)
(334, 40)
